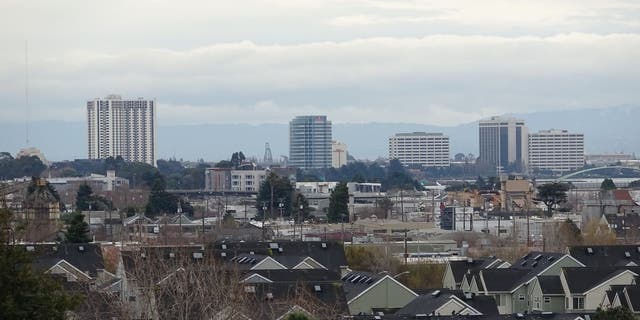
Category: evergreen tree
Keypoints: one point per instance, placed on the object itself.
(26, 293)
(83, 197)
(77, 229)
(282, 191)
(338, 203)
(552, 194)
(617, 313)
(607, 184)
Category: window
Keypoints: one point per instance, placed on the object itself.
(521, 297)
(547, 299)
(578, 303)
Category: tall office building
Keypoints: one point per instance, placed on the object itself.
(118, 127)
(503, 142)
(426, 149)
(310, 142)
(556, 150)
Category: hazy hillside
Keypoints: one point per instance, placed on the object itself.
(606, 130)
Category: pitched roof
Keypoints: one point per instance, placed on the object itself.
(328, 253)
(580, 280)
(85, 257)
(606, 255)
(358, 281)
(503, 279)
(550, 285)
(298, 275)
(633, 294)
(460, 267)
(430, 301)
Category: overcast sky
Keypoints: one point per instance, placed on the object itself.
(214, 61)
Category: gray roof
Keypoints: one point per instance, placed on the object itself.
(460, 267)
(580, 279)
(523, 270)
(606, 256)
(85, 257)
(358, 281)
(434, 299)
(550, 285)
(503, 279)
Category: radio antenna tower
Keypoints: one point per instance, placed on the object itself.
(26, 90)
(268, 158)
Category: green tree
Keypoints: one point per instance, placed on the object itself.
(617, 313)
(236, 159)
(83, 197)
(160, 201)
(338, 203)
(26, 293)
(607, 184)
(77, 230)
(552, 194)
(300, 200)
(282, 192)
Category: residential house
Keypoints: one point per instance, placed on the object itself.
(511, 286)
(450, 302)
(606, 255)
(327, 255)
(371, 293)
(456, 269)
(585, 288)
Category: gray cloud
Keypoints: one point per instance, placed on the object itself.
(356, 61)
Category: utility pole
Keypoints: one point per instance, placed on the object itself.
(402, 204)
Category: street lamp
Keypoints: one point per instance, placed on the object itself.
(300, 220)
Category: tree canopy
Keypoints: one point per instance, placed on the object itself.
(617, 313)
(552, 194)
(339, 203)
(21, 167)
(77, 230)
(607, 184)
(282, 193)
(26, 293)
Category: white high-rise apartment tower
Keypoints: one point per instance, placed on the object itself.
(118, 127)
(426, 149)
(559, 151)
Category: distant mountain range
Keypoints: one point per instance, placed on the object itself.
(606, 130)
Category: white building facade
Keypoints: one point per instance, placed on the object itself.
(559, 151)
(421, 148)
(118, 127)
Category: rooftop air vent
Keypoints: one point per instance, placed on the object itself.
(172, 255)
(280, 250)
(523, 263)
(469, 260)
(224, 247)
(589, 250)
(435, 293)
(81, 248)
(468, 295)
(251, 252)
(223, 254)
(317, 288)
(534, 264)
(324, 245)
(627, 254)
(551, 258)
(537, 257)
(269, 296)
(31, 248)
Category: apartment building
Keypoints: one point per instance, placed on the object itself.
(559, 151)
(420, 148)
